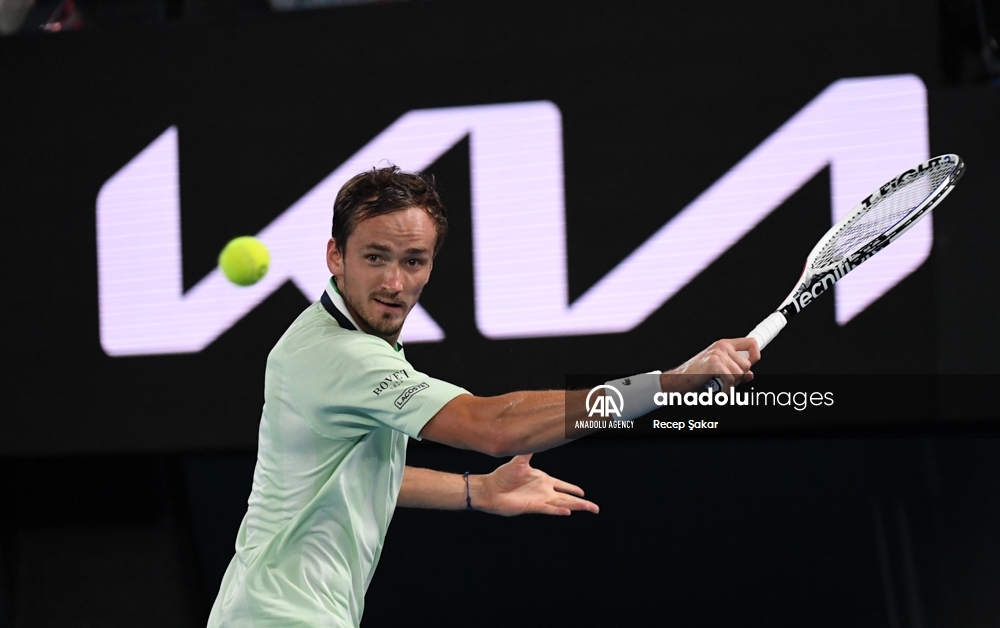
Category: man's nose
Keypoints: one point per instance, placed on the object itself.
(393, 279)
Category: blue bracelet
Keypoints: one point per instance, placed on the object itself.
(468, 496)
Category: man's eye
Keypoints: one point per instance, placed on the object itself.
(416, 262)
(372, 257)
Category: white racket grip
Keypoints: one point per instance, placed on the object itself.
(763, 333)
(768, 328)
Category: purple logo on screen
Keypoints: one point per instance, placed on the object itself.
(866, 130)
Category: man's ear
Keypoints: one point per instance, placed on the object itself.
(334, 258)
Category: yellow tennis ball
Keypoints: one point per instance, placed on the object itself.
(244, 260)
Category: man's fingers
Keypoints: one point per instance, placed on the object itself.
(749, 345)
(575, 503)
(739, 355)
(740, 368)
(728, 360)
(566, 487)
(729, 370)
(549, 509)
(725, 358)
(521, 459)
(737, 360)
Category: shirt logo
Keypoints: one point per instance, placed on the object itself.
(391, 382)
(409, 392)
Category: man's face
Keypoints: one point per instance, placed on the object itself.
(386, 264)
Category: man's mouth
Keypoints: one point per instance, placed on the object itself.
(388, 303)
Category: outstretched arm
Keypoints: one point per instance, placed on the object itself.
(514, 488)
(527, 422)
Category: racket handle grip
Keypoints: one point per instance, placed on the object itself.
(768, 328)
(763, 333)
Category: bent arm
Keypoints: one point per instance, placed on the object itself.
(528, 422)
(506, 425)
(514, 488)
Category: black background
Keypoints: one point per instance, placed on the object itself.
(128, 476)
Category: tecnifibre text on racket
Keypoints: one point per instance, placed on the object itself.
(872, 225)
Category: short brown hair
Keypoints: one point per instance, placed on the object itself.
(382, 191)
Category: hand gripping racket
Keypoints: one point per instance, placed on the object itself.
(867, 229)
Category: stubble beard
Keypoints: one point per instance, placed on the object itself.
(383, 325)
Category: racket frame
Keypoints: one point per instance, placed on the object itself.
(815, 282)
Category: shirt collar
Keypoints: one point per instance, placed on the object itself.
(333, 302)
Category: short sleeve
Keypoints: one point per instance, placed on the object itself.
(352, 383)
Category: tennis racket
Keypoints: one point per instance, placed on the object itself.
(872, 225)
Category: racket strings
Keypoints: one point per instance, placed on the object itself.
(885, 212)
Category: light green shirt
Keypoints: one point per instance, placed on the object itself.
(339, 405)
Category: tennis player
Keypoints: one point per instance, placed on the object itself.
(340, 402)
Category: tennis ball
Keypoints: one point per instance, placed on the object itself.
(244, 260)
